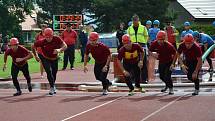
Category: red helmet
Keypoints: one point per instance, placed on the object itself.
(48, 32)
(14, 41)
(93, 36)
(188, 38)
(126, 39)
(161, 35)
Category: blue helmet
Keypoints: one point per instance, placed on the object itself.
(156, 22)
(149, 22)
(195, 34)
(186, 23)
(129, 23)
(213, 23)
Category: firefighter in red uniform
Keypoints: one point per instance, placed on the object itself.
(51, 46)
(39, 37)
(69, 36)
(19, 55)
(132, 55)
(165, 52)
(193, 60)
(102, 56)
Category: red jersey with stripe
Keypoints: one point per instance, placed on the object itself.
(132, 55)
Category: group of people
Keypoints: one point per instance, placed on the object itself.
(132, 54)
(161, 45)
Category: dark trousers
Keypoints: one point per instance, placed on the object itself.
(51, 68)
(165, 74)
(15, 71)
(134, 71)
(208, 58)
(101, 76)
(83, 48)
(69, 55)
(144, 70)
(82, 52)
(191, 68)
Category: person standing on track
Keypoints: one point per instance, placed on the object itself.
(193, 60)
(206, 42)
(120, 32)
(132, 55)
(171, 33)
(153, 31)
(139, 34)
(51, 46)
(69, 36)
(165, 53)
(102, 56)
(39, 37)
(83, 38)
(19, 55)
(148, 24)
(187, 30)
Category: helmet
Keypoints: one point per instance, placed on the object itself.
(186, 23)
(149, 22)
(48, 32)
(126, 39)
(93, 36)
(161, 35)
(195, 34)
(129, 23)
(14, 41)
(188, 38)
(156, 22)
(214, 23)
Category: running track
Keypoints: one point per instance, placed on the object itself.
(117, 106)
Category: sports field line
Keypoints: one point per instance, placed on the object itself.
(73, 116)
(162, 108)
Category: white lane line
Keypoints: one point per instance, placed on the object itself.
(91, 109)
(157, 111)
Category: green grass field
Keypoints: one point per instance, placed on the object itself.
(34, 65)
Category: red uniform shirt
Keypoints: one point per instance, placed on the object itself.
(69, 37)
(21, 52)
(49, 47)
(190, 54)
(130, 56)
(99, 52)
(165, 52)
(39, 37)
(171, 38)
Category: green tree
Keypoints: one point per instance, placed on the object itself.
(12, 13)
(56, 7)
(107, 13)
(111, 12)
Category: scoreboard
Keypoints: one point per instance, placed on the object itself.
(60, 21)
